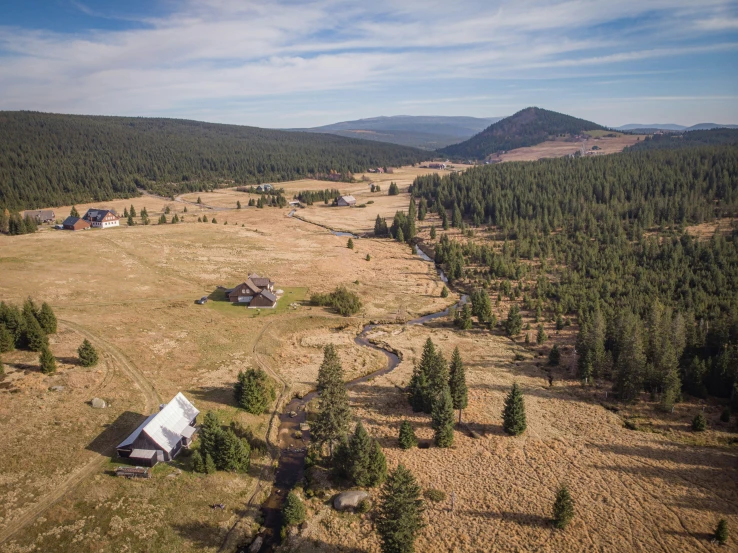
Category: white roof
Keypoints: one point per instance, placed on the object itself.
(348, 198)
(167, 427)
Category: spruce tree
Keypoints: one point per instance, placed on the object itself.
(672, 390)
(514, 323)
(444, 292)
(359, 446)
(210, 432)
(631, 360)
(513, 415)
(175, 219)
(132, 211)
(433, 232)
(7, 342)
(444, 218)
(377, 465)
(163, 219)
(253, 391)
(231, 452)
(563, 508)
(293, 512)
(443, 419)
(334, 413)
(238, 204)
(350, 244)
(198, 465)
(400, 237)
(457, 383)
(130, 221)
(47, 361)
(47, 319)
(2, 369)
(87, 354)
(35, 338)
(74, 212)
(210, 467)
(541, 336)
(407, 438)
(417, 390)
(437, 376)
(400, 514)
(554, 356)
(465, 320)
(721, 532)
(699, 422)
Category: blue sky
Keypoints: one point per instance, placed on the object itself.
(292, 63)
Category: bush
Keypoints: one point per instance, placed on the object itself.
(364, 506)
(444, 292)
(293, 512)
(699, 422)
(394, 190)
(87, 354)
(345, 302)
(434, 495)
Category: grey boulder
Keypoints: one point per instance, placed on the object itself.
(349, 500)
(98, 403)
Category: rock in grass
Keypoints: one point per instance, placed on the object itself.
(98, 403)
(349, 500)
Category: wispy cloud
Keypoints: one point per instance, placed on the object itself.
(206, 54)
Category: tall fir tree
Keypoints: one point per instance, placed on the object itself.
(334, 413)
(631, 361)
(35, 337)
(47, 361)
(209, 433)
(721, 532)
(400, 514)
(293, 512)
(7, 341)
(417, 390)
(457, 383)
(443, 419)
(47, 319)
(74, 212)
(513, 415)
(253, 391)
(197, 462)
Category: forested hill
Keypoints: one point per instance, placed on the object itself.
(49, 159)
(688, 139)
(527, 127)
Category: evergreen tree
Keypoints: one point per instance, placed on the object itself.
(184, 210)
(541, 336)
(394, 190)
(465, 319)
(481, 306)
(253, 392)
(198, 465)
(87, 354)
(443, 419)
(125, 212)
(366, 465)
(721, 532)
(368, 257)
(563, 509)
(422, 209)
(47, 319)
(163, 219)
(130, 221)
(400, 514)
(380, 227)
(47, 361)
(293, 512)
(210, 432)
(407, 438)
(672, 390)
(377, 466)
(699, 422)
(456, 220)
(433, 232)
(631, 362)
(554, 356)
(513, 415)
(210, 467)
(444, 292)
(417, 390)
(231, 453)
(74, 212)
(132, 211)
(444, 218)
(35, 338)
(334, 414)
(457, 383)
(238, 204)
(2, 369)
(437, 376)
(175, 219)
(7, 341)
(350, 244)
(400, 236)
(514, 323)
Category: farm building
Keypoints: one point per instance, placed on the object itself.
(256, 291)
(436, 165)
(162, 435)
(101, 218)
(264, 188)
(75, 223)
(344, 201)
(41, 215)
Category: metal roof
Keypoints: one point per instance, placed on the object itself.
(166, 427)
(268, 295)
(132, 438)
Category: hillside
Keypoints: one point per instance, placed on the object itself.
(427, 132)
(528, 127)
(50, 159)
(670, 141)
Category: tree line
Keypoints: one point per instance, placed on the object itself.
(51, 159)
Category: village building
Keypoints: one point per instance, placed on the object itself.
(41, 215)
(256, 291)
(344, 201)
(162, 435)
(75, 223)
(101, 218)
(436, 165)
(264, 188)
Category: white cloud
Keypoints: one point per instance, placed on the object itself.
(213, 52)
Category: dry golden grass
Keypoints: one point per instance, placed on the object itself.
(560, 148)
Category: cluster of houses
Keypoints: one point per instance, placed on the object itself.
(380, 170)
(162, 435)
(254, 292)
(95, 218)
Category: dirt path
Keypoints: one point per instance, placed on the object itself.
(151, 399)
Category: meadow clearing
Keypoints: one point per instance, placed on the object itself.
(131, 291)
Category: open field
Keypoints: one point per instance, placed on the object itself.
(131, 290)
(560, 148)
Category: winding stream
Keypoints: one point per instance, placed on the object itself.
(291, 463)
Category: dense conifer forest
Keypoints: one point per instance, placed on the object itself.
(689, 139)
(50, 160)
(603, 239)
(527, 127)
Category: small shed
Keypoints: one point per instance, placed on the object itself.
(344, 201)
(75, 223)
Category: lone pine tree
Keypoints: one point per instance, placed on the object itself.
(87, 354)
(457, 383)
(350, 244)
(334, 414)
(400, 513)
(721, 532)
(513, 415)
(407, 438)
(47, 361)
(252, 391)
(563, 508)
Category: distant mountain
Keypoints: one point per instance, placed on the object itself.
(658, 126)
(426, 131)
(528, 127)
(708, 126)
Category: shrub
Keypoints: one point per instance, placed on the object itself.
(293, 512)
(253, 391)
(699, 422)
(345, 302)
(434, 495)
(444, 292)
(368, 257)
(87, 354)
(364, 506)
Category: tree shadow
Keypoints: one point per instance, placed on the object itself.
(69, 360)
(215, 394)
(115, 432)
(200, 533)
(711, 459)
(526, 519)
(706, 536)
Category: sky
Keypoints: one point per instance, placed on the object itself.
(301, 63)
